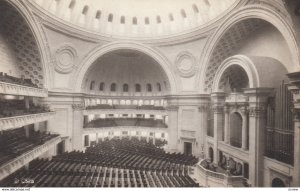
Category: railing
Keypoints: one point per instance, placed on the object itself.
(18, 162)
(15, 89)
(19, 121)
(216, 179)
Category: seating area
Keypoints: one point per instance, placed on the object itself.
(115, 122)
(14, 80)
(11, 108)
(15, 142)
(142, 107)
(111, 163)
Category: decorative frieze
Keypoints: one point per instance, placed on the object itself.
(18, 162)
(19, 121)
(14, 89)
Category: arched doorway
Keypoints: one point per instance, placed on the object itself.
(277, 182)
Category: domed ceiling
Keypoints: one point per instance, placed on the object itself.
(138, 18)
(126, 67)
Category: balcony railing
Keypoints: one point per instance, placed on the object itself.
(216, 179)
(19, 121)
(18, 162)
(15, 89)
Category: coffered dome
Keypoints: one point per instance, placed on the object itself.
(138, 18)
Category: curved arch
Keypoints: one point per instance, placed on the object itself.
(241, 61)
(248, 12)
(277, 182)
(102, 50)
(39, 37)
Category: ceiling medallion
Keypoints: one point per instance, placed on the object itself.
(66, 59)
(185, 64)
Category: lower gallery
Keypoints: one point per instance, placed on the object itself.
(160, 93)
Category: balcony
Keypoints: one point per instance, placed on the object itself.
(15, 89)
(18, 162)
(19, 121)
(209, 178)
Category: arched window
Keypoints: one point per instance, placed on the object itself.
(98, 14)
(158, 87)
(236, 122)
(125, 87)
(92, 85)
(137, 88)
(158, 20)
(277, 182)
(183, 14)
(122, 20)
(72, 4)
(110, 17)
(147, 22)
(113, 87)
(195, 8)
(101, 86)
(85, 10)
(171, 18)
(149, 87)
(134, 20)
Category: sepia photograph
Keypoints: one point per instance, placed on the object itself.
(191, 94)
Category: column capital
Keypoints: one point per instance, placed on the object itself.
(218, 108)
(244, 110)
(78, 106)
(259, 111)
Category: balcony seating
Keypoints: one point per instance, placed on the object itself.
(14, 80)
(111, 163)
(142, 107)
(11, 108)
(14, 143)
(114, 122)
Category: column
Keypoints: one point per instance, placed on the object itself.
(257, 126)
(77, 140)
(244, 128)
(218, 100)
(226, 125)
(172, 128)
(203, 114)
(294, 87)
(97, 138)
(26, 99)
(296, 175)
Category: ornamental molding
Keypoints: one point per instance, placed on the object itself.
(66, 59)
(78, 107)
(15, 89)
(186, 64)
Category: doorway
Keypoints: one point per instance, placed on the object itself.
(188, 150)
